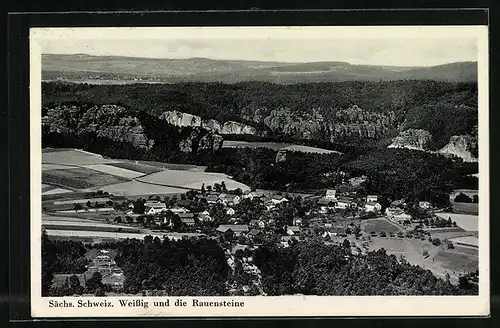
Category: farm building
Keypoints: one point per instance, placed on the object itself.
(344, 203)
(293, 230)
(397, 215)
(330, 195)
(177, 210)
(155, 208)
(237, 229)
(372, 207)
(228, 199)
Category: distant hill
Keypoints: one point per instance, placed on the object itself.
(101, 68)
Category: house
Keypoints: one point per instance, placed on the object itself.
(254, 233)
(297, 221)
(424, 205)
(235, 228)
(293, 230)
(328, 225)
(278, 199)
(253, 223)
(212, 199)
(286, 240)
(326, 204)
(230, 211)
(156, 208)
(371, 199)
(177, 210)
(151, 203)
(344, 203)
(204, 216)
(330, 195)
(269, 205)
(397, 215)
(188, 221)
(398, 203)
(357, 181)
(372, 207)
(229, 199)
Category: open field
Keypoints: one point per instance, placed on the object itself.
(190, 180)
(132, 188)
(464, 221)
(468, 240)
(379, 225)
(102, 235)
(256, 144)
(73, 157)
(83, 201)
(276, 146)
(457, 262)
(79, 178)
(467, 208)
(87, 226)
(47, 167)
(56, 191)
(307, 149)
(449, 235)
(116, 171)
(168, 166)
(142, 168)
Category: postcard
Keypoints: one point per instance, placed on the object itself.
(259, 171)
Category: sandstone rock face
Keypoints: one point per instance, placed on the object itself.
(412, 139)
(460, 146)
(188, 144)
(211, 125)
(281, 156)
(107, 121)
(210, 141)
(181, 119)
(231, 127)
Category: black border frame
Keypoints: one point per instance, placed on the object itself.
(18, 107)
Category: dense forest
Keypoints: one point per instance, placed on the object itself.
(442, 108)
(184, 267)
(313, 268)
(122, 121)
(199, 267)
(60, 257)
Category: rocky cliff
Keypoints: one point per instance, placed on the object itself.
(412, 139)
(329, 124)
(200, 140)
(460, 146)
(107, 121)
(232, 127)
(319, 124)
(181, 119)
(184, 119)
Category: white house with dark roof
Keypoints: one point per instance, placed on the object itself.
(155, 208)
(373, 207)
(278, 199)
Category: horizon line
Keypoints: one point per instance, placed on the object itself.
(259, 61)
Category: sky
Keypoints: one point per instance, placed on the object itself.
(380, 51)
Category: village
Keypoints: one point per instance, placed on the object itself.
(241, 221)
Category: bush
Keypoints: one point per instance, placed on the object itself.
(462, 198)
(436, 241)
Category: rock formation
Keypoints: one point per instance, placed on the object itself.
(231, 127)
(181, 119)
(412, 139)
(460, 146)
